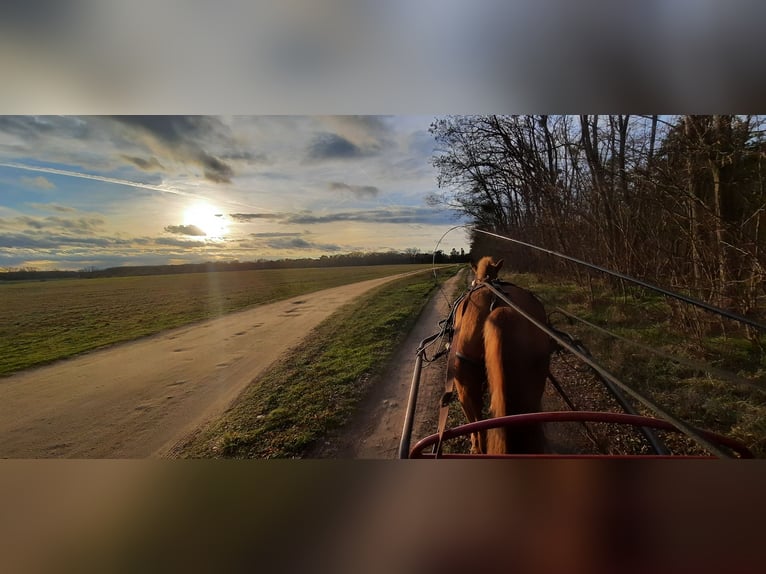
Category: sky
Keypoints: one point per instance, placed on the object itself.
(79, 192)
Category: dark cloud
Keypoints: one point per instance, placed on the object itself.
(409, 215)
(250, 216)
(26, 241)
(80, 225)
(184, 139)
(55, 207)
(243, 155)
(185, 230)
(332, 146)
(32, 128)
(275, 234)
(173, 129)
(180, 137)
(146, 164)
(358, 190)
(174, 242)
(300, 243)
(216, 170)
(287, 240)
(56, 242)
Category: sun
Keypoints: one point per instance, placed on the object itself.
(207, 218)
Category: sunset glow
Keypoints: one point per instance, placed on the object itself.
(206, 218)
(107, 191)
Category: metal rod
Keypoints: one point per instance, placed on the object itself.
(572, 407)
(409, 416)
(571, 416)
(654, 441)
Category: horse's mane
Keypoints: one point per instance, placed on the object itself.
(487, 269)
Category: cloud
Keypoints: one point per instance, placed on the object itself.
(300, 243)
(80, 225)
(57, 242)
(38, 182)
(287, 240)
(147, 142)
(174, 242)
(216, 170)
(332, 146)
(370, 133)
(407, 215)
(36, 128)
(275, 234)
(185, 230)
(151, 164)
(242, 217)
(372, 125)
(358, 190)
(162, 188)
(179, 137)
(54, 207)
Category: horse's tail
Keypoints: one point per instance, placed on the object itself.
(516, 369)
(495, 343)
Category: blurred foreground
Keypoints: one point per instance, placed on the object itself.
(368, 516)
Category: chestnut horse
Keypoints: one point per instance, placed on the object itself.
(494, 344)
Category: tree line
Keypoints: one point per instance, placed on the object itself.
(674, 200)
(409, 256)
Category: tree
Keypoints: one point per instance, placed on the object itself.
(674, 200)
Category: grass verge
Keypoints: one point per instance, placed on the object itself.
(317, 385)
(701, 398)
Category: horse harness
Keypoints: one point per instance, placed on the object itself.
(464, 301)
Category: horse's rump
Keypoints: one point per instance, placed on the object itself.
(516, 355)
(495, 346)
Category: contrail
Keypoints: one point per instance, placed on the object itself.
(160, 188)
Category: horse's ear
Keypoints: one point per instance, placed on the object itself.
(498, 265)
(473, 266)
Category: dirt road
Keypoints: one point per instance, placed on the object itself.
(376, 428)
(139, 399)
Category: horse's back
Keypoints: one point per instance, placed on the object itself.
(517, 357)
(527, 338)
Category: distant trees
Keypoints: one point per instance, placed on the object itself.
(412, 255)
(679, 200)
